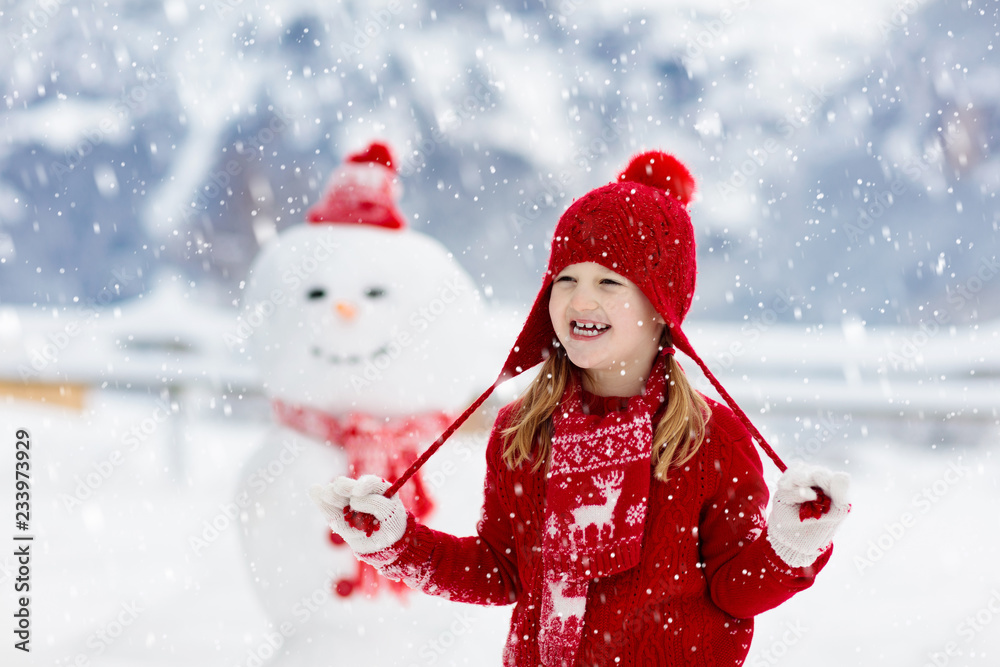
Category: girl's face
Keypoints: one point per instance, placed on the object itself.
(607, 326)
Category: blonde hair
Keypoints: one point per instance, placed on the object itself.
(677, 437)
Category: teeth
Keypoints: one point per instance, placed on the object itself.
(589, 329)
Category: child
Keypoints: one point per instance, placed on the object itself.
(623, 511)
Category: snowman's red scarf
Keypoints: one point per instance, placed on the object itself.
(595, 506)
(379, 446)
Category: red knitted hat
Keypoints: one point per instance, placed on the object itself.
(362, 191)
(638, 226)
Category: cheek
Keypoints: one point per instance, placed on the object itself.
(627, 313)
(643, 310)
(554, 309)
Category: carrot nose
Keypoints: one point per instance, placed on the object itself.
(346, 310)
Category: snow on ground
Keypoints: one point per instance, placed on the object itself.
(116, 582)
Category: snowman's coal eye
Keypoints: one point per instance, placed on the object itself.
(316, 293)
(374, 292)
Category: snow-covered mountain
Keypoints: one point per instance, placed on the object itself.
(845, 154)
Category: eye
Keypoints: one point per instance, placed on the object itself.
(375, 292)
(561, 279)
(610, 281)
(315, 293)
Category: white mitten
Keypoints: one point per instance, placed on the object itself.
(372, 522)
(802, 522)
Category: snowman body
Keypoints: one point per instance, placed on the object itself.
(362, 335)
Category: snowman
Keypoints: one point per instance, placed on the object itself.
(369, 338)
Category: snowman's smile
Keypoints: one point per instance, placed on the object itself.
(348, 359)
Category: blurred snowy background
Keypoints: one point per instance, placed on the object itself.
(848, 294)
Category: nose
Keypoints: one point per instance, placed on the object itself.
(582, 299)
(346, 310)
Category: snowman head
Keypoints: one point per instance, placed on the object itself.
(369, 317)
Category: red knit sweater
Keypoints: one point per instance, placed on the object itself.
(705, 571)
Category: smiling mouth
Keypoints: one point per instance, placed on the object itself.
(589, 329)
(348, 359)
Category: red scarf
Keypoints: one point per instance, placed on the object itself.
(595, 506)
(374, 445)
(379, 446)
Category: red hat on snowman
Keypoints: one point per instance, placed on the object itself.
(363, 190)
